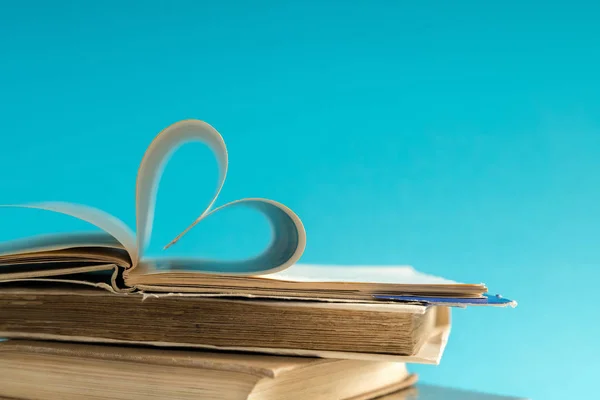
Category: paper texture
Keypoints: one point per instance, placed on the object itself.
(430, 352)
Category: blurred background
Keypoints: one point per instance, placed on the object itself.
(458, 137)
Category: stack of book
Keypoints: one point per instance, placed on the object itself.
(88, 313)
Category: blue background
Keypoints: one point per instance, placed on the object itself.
(459, 137)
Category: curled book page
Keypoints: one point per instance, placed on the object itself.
(289, 237)
(154, 161)
(286, 248)
(100, 219)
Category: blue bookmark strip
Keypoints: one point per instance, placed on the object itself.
(487, 300)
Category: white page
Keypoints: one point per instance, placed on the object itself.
(399, 274)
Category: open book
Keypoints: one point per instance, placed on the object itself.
(115, 259)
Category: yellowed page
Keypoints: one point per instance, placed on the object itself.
(254, 364)
(430, 352)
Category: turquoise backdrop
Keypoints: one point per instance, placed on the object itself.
(460, 137)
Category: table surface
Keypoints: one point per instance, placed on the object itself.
(430, 392)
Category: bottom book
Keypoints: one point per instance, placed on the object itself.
(53, 370)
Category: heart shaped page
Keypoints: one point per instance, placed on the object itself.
(289, 236)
